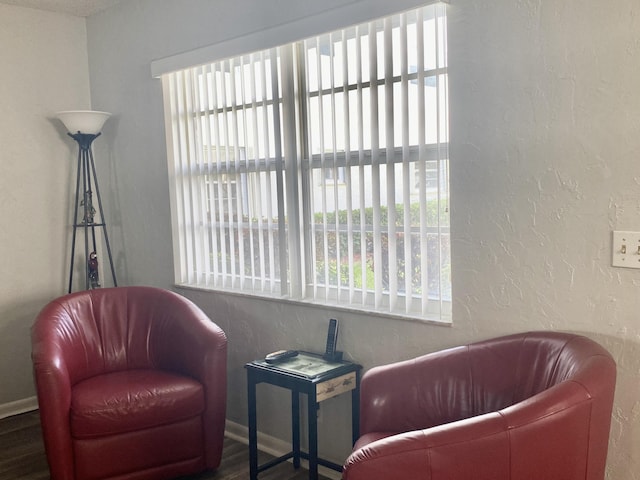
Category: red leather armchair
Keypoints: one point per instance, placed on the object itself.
(131, 384)
(534, 406)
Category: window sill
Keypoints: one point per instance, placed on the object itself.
(315, 304)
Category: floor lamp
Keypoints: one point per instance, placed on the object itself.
(84, 127)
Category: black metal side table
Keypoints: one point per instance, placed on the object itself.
(320, 380)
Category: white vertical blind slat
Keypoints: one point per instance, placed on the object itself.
(322, 144)
(374, 133)
(422, 188)
(197, 173)
(406, 166)
(279, 169)
(211, 140)
(218, 185)
(257, 205)
(347, 169)
(323, 167)
(309, 46)
(211, 243)
(226, 206)
(389, 104)
(181, 181)
(188, 165)
(440, 87)
(334, 166)
(172, 92)
(290, 155)
(236, 184)
(248, 240)
(237, 251)
(361, 32)
(268, 139)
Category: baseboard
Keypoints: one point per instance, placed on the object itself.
(18, 407)
(271, 445)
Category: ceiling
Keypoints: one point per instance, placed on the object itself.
(80, 8)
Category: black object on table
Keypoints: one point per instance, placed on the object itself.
(319, 379)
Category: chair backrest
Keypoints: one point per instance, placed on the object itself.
(467, 381)
(508, 370)
(106, 330)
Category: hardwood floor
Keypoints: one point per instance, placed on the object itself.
(22, 456)
(21, 448)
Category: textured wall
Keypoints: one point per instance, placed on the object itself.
(545, 112)
(544, 122)
(44, 70)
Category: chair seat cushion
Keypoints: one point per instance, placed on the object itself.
(132, 400)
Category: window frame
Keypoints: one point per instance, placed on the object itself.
(298, 212)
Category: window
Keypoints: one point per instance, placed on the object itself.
(318, 171)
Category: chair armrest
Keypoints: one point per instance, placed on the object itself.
(416, 394)
(53, 383)
(187, 342)
(474, 448)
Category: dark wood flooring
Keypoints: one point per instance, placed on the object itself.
(22, 456)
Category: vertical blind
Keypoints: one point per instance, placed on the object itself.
(227, 168)
(319, 170)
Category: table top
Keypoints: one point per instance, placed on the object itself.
(306, 365)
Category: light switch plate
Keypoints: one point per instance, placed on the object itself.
(626, 249)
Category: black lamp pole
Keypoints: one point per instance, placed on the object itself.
(87, 172)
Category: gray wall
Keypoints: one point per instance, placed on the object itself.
(44, 70)
(545, 111)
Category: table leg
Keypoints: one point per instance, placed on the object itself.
(253, 428)
(295, 427)
(355, 410)
(313, 436)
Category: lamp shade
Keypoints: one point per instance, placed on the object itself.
(83, 121)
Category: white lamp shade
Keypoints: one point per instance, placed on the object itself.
(83, 121)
